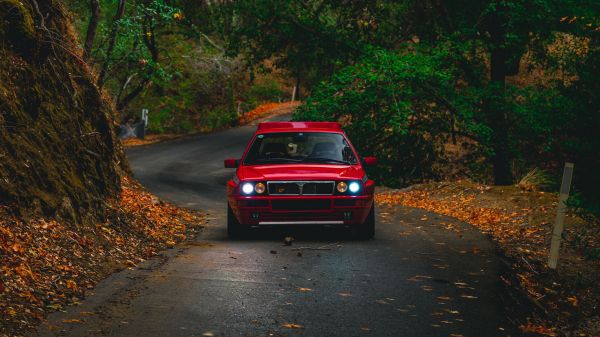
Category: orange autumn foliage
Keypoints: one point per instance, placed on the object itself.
(47, 263)
(266, 109)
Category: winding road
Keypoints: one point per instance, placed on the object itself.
(416, 278)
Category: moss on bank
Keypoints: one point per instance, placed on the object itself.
(58, 154)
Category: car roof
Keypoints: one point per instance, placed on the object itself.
(298, 126)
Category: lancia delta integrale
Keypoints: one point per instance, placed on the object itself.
(300, 173)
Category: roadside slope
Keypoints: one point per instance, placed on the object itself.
(57, 148)
(69, 215)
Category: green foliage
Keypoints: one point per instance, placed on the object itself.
(136, 49)
(263, 92)
(219, 118)
(388, 106)
(540, 122)
(516, 80)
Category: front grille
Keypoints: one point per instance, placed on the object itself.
(300, 205)
(283, 188)
(318, 188)
(300, 187)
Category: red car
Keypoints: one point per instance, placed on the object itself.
(297, 173)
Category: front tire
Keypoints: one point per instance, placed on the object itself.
(366, 231)
(234, 228)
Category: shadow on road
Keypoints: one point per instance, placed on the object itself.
(299, 234)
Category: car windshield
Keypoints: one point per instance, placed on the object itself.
(300, 147)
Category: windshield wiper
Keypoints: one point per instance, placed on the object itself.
(325, 160)
(276, 160)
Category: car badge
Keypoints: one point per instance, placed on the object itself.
(280, 190)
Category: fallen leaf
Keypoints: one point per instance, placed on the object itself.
(71, 285)
(292, 326)
(418, 278)
(468, 296)
(538, 329)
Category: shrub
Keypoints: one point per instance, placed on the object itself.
(389, 106)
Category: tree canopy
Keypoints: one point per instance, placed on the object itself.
(512, 82)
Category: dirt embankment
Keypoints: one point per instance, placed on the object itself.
(69, 214)
(58, 154)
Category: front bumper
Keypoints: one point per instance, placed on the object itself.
(301, 210)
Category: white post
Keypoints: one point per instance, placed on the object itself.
(565, 188)
(294, 93)
(143, 124)
(145, 117)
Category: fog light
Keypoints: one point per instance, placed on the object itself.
(342, 187)
(354, 187)
(247, 188)
(260, 188)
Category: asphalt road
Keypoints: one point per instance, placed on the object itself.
(422, 275)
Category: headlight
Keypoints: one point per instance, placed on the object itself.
(247, 188)
(342, 187)
(354, 187)
(260, 188)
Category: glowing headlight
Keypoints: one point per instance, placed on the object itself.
(260, 188)
(247, 188)
(342, 187)
(354, 187)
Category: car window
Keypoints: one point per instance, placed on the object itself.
(300, 147)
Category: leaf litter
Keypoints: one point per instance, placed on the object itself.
(46, 264)
(521, 221)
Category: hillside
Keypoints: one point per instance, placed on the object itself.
(69, 213)
(56, 141)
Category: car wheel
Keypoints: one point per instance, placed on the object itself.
(366, 230)
(234, 228)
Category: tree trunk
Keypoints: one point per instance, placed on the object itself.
(496, 103)
(91, 29)
(298, 80)
(121, 104)
(111, 42)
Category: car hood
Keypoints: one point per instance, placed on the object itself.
(300, 172)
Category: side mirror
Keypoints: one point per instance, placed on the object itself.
(231, 163)
(370, 161)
